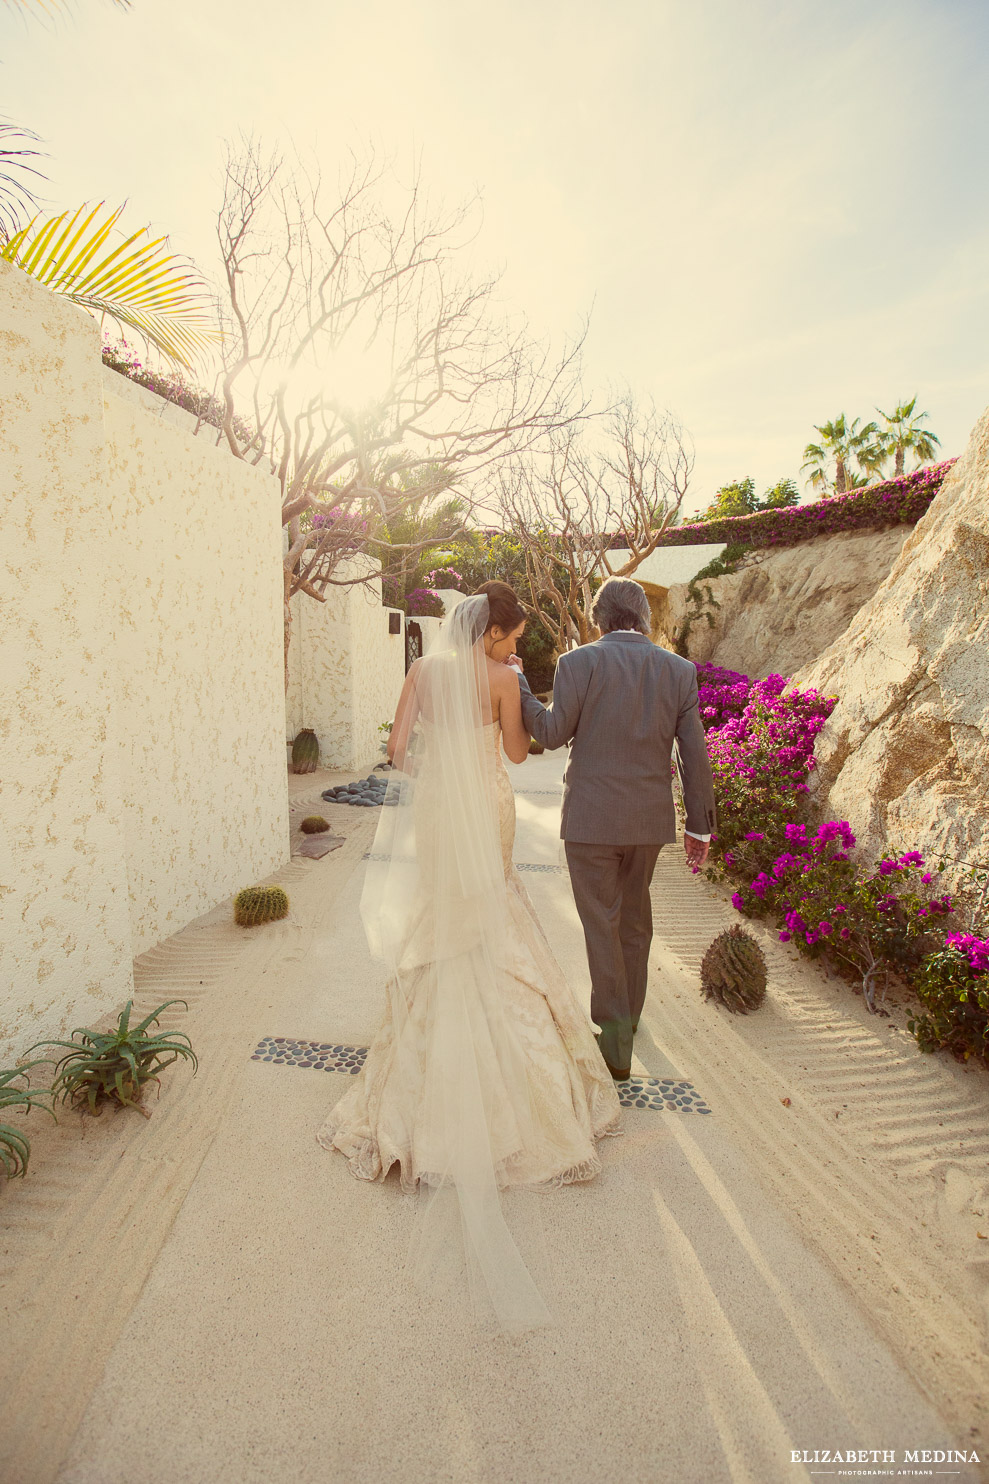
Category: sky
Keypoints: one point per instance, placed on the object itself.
(774, 211)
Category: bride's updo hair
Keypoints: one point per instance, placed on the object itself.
(504, 608)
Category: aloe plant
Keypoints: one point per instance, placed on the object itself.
(114, 1066)
(15, 1147)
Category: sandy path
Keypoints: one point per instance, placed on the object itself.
(210, 1296)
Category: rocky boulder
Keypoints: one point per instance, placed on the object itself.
(905, 755)
(781, 608)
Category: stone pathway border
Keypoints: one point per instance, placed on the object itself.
(659, 1093)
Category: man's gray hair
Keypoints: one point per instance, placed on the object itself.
(621, 603)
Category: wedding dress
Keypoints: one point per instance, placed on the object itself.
(484, 1073)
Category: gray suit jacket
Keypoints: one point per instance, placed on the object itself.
(627, 707)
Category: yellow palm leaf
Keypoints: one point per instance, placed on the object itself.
(137, 283)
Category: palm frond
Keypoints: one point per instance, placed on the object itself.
(137, 283)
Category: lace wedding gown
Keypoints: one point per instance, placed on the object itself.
(547, 1094)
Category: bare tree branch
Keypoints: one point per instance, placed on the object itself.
(584, 511)
(320, 281)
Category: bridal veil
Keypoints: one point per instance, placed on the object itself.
(435, 910)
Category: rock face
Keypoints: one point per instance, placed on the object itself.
(905, 755)
(782, 608)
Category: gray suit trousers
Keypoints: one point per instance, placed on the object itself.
(611, 890)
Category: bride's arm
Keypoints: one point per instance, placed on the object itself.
(514, 737)
(406, 716)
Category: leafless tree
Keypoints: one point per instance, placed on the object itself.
(321, 282)
(587, 511)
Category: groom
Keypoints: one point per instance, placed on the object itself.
(627, 707)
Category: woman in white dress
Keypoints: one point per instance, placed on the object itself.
(484, 1073)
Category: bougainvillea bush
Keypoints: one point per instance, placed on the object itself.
(423, 603)
(721, 694)
(864, 922)
(953, 986)
(760, 757)
(894, 502)
(444, 577)
(173, 386)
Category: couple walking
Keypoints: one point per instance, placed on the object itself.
(485, 1072)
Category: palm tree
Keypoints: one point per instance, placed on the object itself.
(903, 431)
(842, 441)
(136, 283)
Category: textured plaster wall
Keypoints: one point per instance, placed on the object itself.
(430, 628)
(198, 666)
(345, 671)
(65, 953)
(670, 564)
(142, 775)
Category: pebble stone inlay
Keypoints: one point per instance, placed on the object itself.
(662, 1094)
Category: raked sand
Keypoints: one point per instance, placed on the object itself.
(210, 1296)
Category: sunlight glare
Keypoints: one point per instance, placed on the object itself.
(350, 378)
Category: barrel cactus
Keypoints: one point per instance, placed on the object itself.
(733, 971)
(313, 824)
(260, 904)
(305, 752)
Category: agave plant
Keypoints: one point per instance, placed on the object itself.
(15, 1148)
(136, 283)
(115, 1066)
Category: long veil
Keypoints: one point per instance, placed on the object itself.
(435, 911)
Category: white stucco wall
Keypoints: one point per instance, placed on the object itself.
(198, 667)
(64, 924)
(142, 773)
(670, 564)
(430, 628)
(345, 670)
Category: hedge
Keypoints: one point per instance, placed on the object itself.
(895, 502)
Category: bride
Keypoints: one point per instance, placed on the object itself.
(484, 1073)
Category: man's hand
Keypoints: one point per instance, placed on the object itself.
(514, 663)
(697, 851)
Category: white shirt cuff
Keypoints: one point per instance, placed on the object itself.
(694, 836)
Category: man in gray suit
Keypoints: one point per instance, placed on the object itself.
(627, 708)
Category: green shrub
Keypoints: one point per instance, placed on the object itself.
(956, 1006)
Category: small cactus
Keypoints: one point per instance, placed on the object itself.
(260, 904)
(313, 824)
(305, 752)
(535, 748)
(733, 971)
